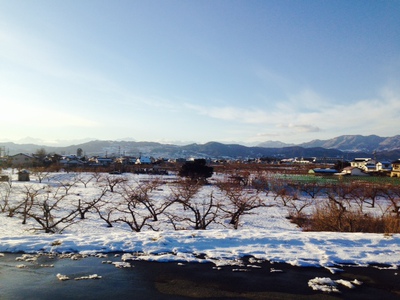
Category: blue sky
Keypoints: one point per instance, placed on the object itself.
(198, 71)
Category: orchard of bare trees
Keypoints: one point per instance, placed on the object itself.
(56, 201)
(52, 202)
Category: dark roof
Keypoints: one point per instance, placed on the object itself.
(325, 170)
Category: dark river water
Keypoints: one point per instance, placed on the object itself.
(151, 280)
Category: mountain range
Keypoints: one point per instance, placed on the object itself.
(347, 143)
(345, 146)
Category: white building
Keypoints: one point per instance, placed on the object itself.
(361, 163)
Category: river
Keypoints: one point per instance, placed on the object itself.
(153, 280)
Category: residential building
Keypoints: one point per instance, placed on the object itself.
(21, 159)
(361, 163)
(395, 169)
(384, 166)
(353, 171)
(376, 166)
(144, 160)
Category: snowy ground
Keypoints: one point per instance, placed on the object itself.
(265, 234)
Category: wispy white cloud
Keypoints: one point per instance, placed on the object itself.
(296, 112)
(230, 113)
(300, 127)
(312, 114)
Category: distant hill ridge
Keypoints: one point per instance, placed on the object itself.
(357, 143)
(346, 146)
(348, 143)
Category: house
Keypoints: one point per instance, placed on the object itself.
(395, 169)
(71, 160)
(100, 161)
(370, 166)
(144, 160)
(353, 171)
(384, 166)
(362, 163)
(375, 166)
(309, 160)
(22, 159)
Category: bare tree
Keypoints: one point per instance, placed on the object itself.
(340, 213)
(204, 212)
(240, 202)
(142, 192)
(84, 179)
(296, 207)
(85, 206)
(20, 206)
(285, 196)
(373, 192)
(284, 191)
(261, 184)
(5, 193)
(184, 191)
(105, 205)
(48, 213)
(392, 193)
(240, 177)
(131, 207)
(105, 212)
(200, 211)
(112, 181)
(97, 176)
(67, 185)
(358, 194)
(41, 173)
(133, 215)
(30, 195)
(312, 188)
(342, 191)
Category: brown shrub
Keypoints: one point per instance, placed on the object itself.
(328, 216)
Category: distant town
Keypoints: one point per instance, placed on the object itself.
(322, 166)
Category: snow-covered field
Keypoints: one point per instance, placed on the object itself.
(266, 233)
